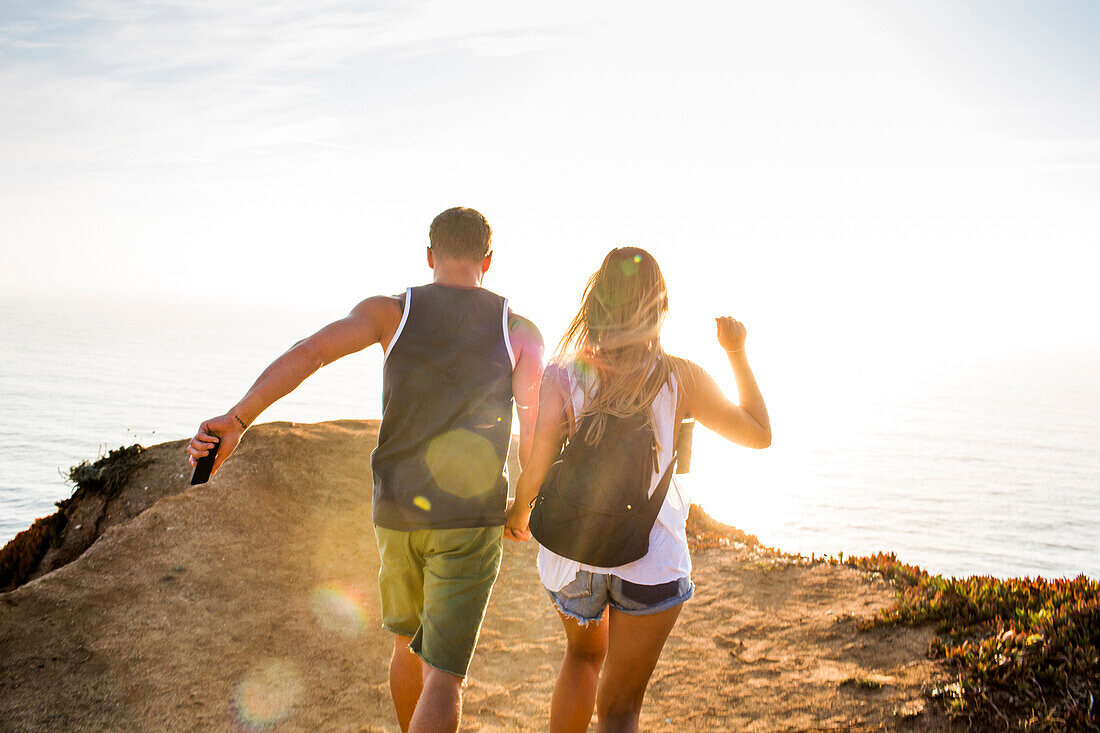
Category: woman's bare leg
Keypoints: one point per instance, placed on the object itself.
(634, 646)
(575, 691)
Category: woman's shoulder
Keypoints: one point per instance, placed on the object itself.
(571, 372)
(570, 365)
(688, 376)
(559, 366)
(685, 370)
(559, 372)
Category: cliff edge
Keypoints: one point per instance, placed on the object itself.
(251, 603)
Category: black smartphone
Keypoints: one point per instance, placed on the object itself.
(203, 466)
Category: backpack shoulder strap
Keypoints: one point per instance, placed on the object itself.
(658, 498)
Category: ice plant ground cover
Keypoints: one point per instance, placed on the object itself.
(1024, 652)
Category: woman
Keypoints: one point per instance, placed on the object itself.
(611, 364)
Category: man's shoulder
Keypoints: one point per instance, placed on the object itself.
(384, 310)
(381, 304)
(523, 332)
(521, 324)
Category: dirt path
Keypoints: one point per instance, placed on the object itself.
(250, 603)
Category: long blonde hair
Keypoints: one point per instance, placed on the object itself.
(615, 339)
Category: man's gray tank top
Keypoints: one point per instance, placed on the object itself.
(446, 412)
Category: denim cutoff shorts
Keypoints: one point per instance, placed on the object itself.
(585, 597)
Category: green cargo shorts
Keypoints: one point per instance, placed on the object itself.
(435, 587)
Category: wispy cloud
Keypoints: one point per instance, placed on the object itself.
(511, 45)
(111, 80)
(22, 36)
(161, 37)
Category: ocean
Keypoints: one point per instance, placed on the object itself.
(981, 465)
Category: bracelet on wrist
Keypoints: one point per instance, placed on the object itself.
(734, 351)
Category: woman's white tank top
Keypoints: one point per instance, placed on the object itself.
(668, 558)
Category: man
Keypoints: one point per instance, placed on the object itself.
(455, 359)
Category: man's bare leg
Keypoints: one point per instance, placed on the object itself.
(406, 680)
(440, 705)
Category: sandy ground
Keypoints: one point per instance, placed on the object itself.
(251, 603)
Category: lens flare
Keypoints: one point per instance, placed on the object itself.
(630, 267)
(585, 372)
(339, 609)
(463, 463)
(266, 694)
(422, 503)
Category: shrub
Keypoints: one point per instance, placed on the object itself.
(1025, 652)
(107, 475)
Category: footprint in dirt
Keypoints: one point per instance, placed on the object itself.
(728, 642)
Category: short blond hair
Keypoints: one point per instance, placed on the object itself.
(460, 233)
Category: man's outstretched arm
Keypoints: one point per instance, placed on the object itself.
(372, 321)
(528, 349)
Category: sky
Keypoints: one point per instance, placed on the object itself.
(899, 177)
